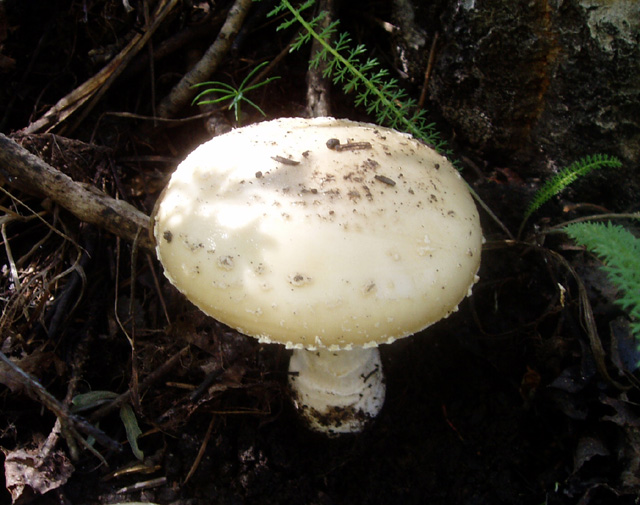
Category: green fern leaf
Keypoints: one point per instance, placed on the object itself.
(620, 251)
(567, 176)
(370, 85)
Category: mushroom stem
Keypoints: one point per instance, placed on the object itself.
(337, 391)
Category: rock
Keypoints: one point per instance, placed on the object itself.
(538, 84)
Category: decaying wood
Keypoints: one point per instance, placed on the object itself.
(94, 88)
(183, 92)
(26, 172)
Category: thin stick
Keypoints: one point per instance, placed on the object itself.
(156, 283)
(586, 312)
(12, 264)
(595, 217)
(427, 73)
(488, 210)
(148, 381)
(35, 389)
(201, 451)
(319, 85)
(94, 88)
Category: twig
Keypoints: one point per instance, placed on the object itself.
(63, 306)
(138, 486)
(589, 323)
(201, 451)
(319, 84)
(94, 88)
(148, 381)
(268, 70)
(130, 332)
(67, 419)
(559, 228)
(488, 210)
(427, 73)
(12, 264)
(183, 92)
(152, 69)
(28, 173)
(156, 283)
(176, 42)
(586, 312)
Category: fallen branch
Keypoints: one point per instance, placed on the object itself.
(28, 173)
(183, 92)
(13, 374)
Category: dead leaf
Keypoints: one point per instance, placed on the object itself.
(630, 476)
(28, 473)
(588, 447)
(625, 354)
(627, 417)
(626, 413)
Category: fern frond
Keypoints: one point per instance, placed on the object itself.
(372, 89)
(564, 178)
(281, 7)
(620, 251)
(569, 175)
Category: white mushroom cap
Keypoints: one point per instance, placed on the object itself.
(290, 238)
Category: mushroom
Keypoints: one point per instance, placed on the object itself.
(326, 235)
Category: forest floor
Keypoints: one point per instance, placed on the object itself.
(517, 398)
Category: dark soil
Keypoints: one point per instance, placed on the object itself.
(502, 403)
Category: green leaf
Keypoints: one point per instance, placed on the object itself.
(619, 249)
(235, 96)
(130, 422)
(369, 85)
(90, 400)
(569, 175)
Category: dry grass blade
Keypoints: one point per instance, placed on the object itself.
(586, 312)
(95, 87)
(33, 276)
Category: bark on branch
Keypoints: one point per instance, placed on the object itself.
(183, 92)
(28, 173)
(319, 84)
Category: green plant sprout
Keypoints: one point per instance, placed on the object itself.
(620, 251)
(566, 177)
(617, 247)
(374, 90)
(228, 92)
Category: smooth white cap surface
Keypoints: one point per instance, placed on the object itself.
(319, 232)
